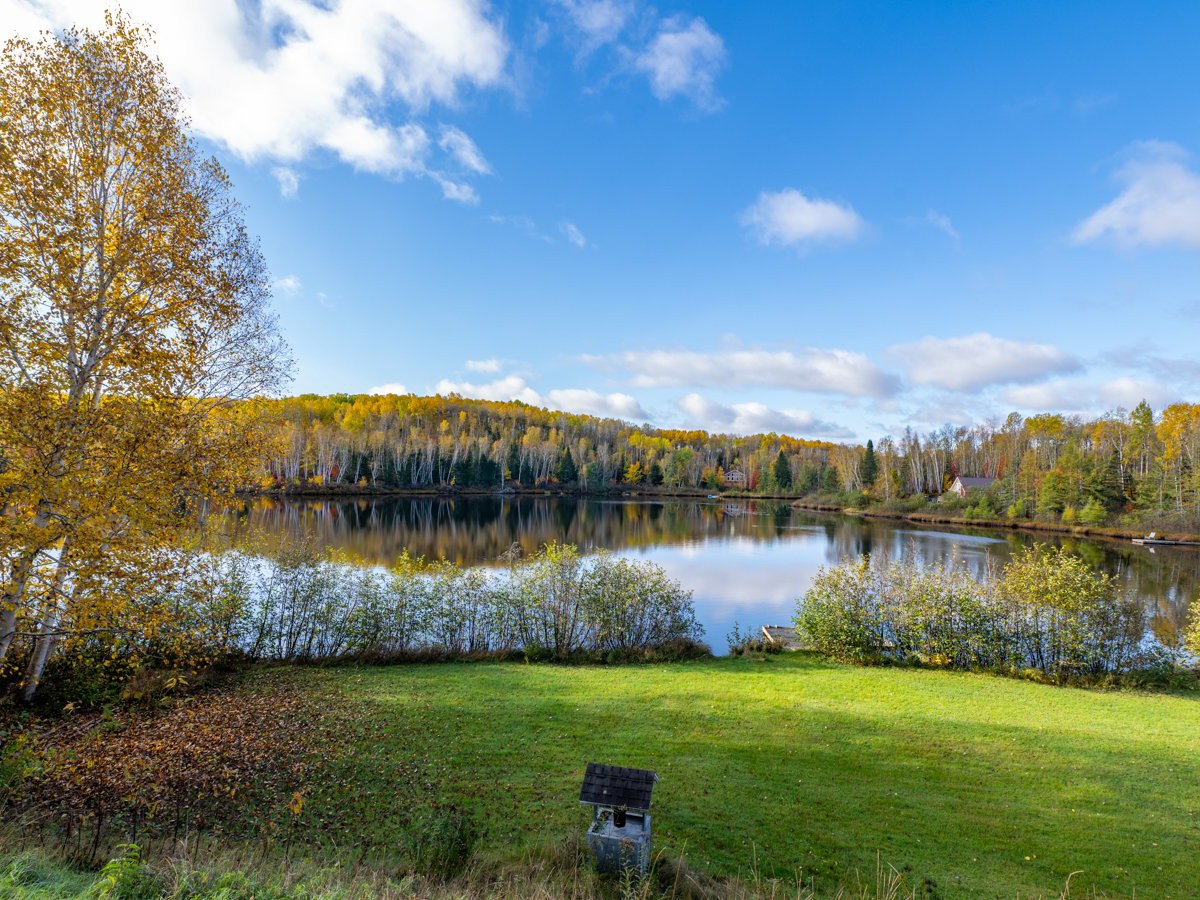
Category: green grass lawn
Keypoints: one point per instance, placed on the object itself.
(985, 786)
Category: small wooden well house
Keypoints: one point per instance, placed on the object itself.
(619, 836)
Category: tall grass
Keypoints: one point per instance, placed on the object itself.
(555, 871)
(558, 870)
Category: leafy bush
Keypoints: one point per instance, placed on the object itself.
(940, 615)
(984, 505)
(678, 649)
(841, 613)
(749, 643)
(1067, 618)
(302, 606)
(1018, 510)
(126, 877)
(1048, 611)
(950, 502)
(1093, 513)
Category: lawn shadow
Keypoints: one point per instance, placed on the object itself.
(804, 774)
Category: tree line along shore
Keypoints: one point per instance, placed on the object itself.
(1117, 476)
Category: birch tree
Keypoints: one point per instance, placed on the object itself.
(134, 315)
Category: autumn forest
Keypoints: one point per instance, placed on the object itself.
(1138, 463)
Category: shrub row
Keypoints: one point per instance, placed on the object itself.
(296, 603)
(1046, 611)
(301, 605)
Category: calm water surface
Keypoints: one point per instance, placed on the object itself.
(745, 561)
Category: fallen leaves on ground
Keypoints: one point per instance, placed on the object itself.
(233, 759)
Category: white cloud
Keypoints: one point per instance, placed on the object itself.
(790, 219)
(288, 284)
(283, 80)
(1083, 396)
(489, 366)
(812, 369)
(510, 387)
(679, 55)
(458, 191)
(1160, 203)
(942, 222)
(574, 235)
(593, 403)
(756, 418)
(289, 180)
(463, 150)
(384, 389)
(683, 60)
(977, 360)
(598, 21)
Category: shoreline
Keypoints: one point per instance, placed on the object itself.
(933, 518)
(920, 517)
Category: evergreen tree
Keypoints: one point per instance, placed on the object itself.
(782, 473)
(656, 473)
(1055, 494)
(809, 480)
(512, 463)
(593, 477)
(1103, 484)
(870, 466)
(461, 473)
(828, 481)
(565, 471)
(1148, 491)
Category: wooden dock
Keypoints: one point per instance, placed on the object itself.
(785, 635)
(1162, 542)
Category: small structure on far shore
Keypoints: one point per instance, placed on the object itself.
(619, 836)
(735, 477)
(964, 485)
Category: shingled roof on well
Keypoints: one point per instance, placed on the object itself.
(617, 787)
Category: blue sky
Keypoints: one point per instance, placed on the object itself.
(833, 220)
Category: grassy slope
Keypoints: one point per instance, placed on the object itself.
(30, 877)
(986, 786)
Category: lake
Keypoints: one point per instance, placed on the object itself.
(745, 561)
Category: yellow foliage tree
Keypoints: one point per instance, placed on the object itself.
(134, 316)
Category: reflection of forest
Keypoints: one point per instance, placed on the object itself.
(477, 530)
